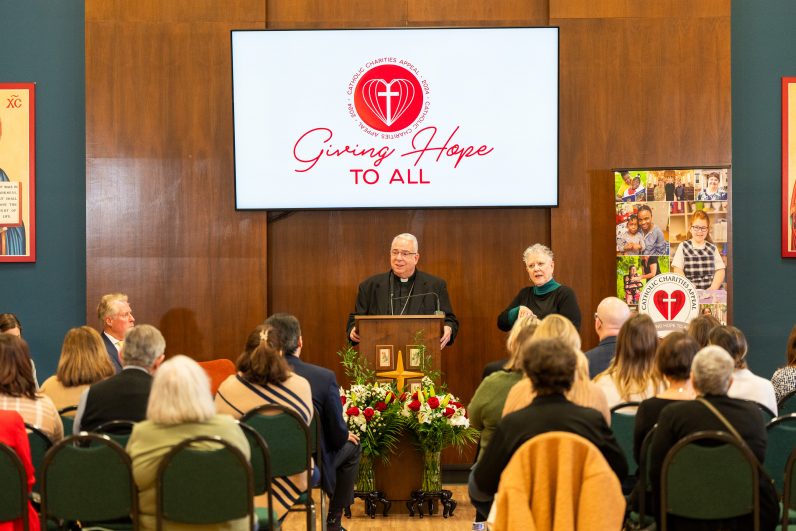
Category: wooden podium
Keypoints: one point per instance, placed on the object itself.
(398, 332)
(395, 334)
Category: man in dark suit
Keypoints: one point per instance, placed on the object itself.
(611, 314)
(116, 317)
(711, 377)
(404, 291)
(125, 395)
(339, 448)
(550, 364)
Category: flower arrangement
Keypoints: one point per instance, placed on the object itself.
(438, 420)
(371, 411)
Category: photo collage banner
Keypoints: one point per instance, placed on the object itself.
(673, 220)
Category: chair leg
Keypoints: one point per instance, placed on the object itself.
(324, 509)
(311, 515)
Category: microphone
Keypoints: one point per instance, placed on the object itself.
(436, 297)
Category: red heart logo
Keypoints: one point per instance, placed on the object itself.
(669, 304)
(388, 101)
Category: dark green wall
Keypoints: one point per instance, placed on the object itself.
(43, 41)
(763, 45)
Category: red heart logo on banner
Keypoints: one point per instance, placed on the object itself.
(669, 304)
(388, 101)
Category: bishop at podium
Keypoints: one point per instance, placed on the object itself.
(404, 291)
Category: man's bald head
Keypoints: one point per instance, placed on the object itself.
(612, 313)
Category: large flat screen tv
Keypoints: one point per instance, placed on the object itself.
(395, 118)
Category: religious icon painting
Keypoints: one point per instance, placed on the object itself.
(414, 359)
(384, 357)
(413, 385)
(788, 167)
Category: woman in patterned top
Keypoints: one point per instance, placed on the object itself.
(698, 259)
(784, 378)
(264, 377)
(18, 389)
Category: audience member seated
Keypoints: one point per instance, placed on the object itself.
(673, 362)
(486, 407)
(711, 376)
(583, 392)
(18, 389)
(83, 362)
(494, 366)
(9, 324)
(550, 364)
(116, 318)
(700, 327)
(745, 384)
(13, 435)
(611, 314)
(631, 376)
(784, 379)
(340, 450)
(124, 396)
(181, 407)
(266, 378)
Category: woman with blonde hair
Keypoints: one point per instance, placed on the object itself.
(632, 376)
(180, 407)
(264, 377)
(486, 407)
(583, 391)
(84, 361)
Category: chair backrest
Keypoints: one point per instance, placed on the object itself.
(261, 467)
(623, 422)
(789, 495)
(204, 480)
(768, 415)
(644, 479)
(40, 443)
(14, 481)
(709, 475)
(89, 478)
(218, 371)
(557, 480)
(787, 404)
(287, 435)
(67, 415)
(780, 440)
(118, 430)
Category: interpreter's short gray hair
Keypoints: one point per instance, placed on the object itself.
(180, 393)
(409, 237)
(712, 370)
(537, 248)
(143, 344)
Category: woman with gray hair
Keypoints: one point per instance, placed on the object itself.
(180, 407)
(545, 296)
(711, 376)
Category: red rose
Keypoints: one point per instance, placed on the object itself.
(414, 405)
(368, 413)
(455, 404)
(342, 399)
(449, 411)
(353, 411)
(433, 402)
(414, 395)
(380, 406)
(403, 397)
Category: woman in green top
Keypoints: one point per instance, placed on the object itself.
(545, 296)
(486, 407)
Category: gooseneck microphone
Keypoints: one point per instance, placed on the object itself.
(407, 297)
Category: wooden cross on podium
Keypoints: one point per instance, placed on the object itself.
(399, 374)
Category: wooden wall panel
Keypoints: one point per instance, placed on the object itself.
(161, 224)
(635, 92)
(641, 85)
